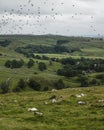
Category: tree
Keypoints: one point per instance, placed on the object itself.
(14, 63)
(34, 84)
(30, 63)
(21, 84)
(50, 62)
(5, 87)
(42, 66)
(60, 84)
(84, 81)
(93, 82)
(46, 89)
(8, 64)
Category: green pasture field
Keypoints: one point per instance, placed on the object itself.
(64, 115)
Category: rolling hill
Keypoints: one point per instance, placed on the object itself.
(76, 107)
(25, 46)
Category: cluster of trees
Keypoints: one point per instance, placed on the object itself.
(14, 63)
(81, 68)
(19, 63)
(31, 83)
(23, 84)
(85, 81)
(41, 65)
(29, 50)
(5, 43)
(73, 67)
(60, 42)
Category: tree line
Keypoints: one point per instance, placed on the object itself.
(31, 83)
(19, 63)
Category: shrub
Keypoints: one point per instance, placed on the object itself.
(84, 81)
(42, 66)
(34, 84)
(14, 63)
(46, 89)
(59, 84)
(21, 84)
(5, 87)
(93, 82)
(30, 63)
(17, 89)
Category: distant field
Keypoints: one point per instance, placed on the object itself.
(60, 56)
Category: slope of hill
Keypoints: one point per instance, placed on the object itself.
(57, 46)
(77, 46)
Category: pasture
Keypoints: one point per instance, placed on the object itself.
(64, 115)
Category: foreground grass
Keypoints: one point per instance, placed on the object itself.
(65, 115)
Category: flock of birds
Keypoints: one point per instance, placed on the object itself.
(30, 16)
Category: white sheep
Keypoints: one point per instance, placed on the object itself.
(54, 90)
(45, 102)
(80, 95)
(32, 109)
(77, 95)
(35, 110)
(101, 101)
(81, 102)
(54, 100)
(39, 113)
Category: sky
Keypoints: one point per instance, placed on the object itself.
(59, 17)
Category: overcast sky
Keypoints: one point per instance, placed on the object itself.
(64, 17)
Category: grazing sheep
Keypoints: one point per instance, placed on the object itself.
(81, 102)
(77, 95)
(32, 109)
(35, 110)
(54, 90)
(45, 102)
(101, 101)
(80, 95)
(39, 113)
(54, 100)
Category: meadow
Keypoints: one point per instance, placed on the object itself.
(66, 114)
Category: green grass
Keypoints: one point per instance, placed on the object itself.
(66, 115)
(92, 49)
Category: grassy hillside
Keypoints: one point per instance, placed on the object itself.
(64, 115)
(87, 47)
